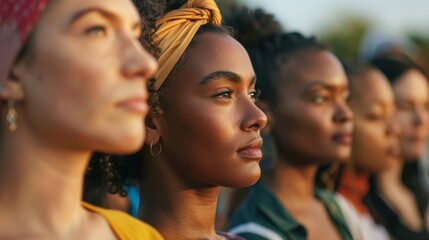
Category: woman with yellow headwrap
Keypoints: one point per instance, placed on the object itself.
(203, 127)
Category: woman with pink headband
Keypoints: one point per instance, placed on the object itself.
(73, 78)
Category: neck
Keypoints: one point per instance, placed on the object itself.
(175, 209)
(354, 186)
(293, 185)
(390, 177)
(41, 187)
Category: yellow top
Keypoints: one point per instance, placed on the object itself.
(124, 226)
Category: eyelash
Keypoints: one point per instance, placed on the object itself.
(224, 94)
(228, 94)
(324, 99)
(98, 31)
(255, 94)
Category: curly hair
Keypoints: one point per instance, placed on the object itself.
(104, 170)
(126, 169)
(268, 45)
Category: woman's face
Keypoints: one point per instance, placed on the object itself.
(375, 137)
(210, 128)
(311, 122)
(85, 77)
(412, 99)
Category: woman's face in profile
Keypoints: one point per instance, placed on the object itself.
(412, 101)
(85, 77)
(210, 126)
(311, 122)
(375, 138)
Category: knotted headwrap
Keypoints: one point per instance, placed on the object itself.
(177, 28)
(17, 20)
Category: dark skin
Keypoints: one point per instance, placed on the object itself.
(375, 137)
(209, 131)
(312, 105)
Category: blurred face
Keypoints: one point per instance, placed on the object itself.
(210, 128)
(311, 122)
(375, 137)
(85, 77)
(412, 99)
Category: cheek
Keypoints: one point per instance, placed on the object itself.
(369, 146)
(78, 87)
(405, 121)
(305, 127)
(202, 133)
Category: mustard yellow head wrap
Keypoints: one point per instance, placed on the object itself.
(177, 28)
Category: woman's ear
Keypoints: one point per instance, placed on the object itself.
(265, 107)
(12, 88)
(153, 130)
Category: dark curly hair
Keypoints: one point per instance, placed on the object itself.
(125, 170)
(104, 169)
(268, 45)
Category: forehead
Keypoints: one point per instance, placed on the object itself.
(412, 85)
(312, 66)
(63, 10)
(218, 52)
(370, 88)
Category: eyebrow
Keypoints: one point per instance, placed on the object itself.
(231, 76)
(327, 86)
(105, 13)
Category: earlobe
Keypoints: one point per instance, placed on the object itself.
(153, 133)
(11, 88)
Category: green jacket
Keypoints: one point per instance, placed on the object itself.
(261, 216)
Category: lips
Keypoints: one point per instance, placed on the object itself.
(343, 138)
(136, 104)
(252, 150)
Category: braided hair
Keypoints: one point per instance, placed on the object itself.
(268, 45)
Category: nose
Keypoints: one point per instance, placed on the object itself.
(420, 116)
(393, 127)
(138, 63)
(254, 118)
(343, 112)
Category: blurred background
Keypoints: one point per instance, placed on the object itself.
(354, 28)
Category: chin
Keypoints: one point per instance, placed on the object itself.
(123, 145)
(245, 179)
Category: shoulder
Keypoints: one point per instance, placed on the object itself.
(125, 226)
(255, 231)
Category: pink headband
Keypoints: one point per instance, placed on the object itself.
(17, 20)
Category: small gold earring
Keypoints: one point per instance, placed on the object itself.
(151, 149)
(11, 116)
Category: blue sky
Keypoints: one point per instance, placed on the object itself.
(312, 16)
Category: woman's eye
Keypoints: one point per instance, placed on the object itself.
(98, 31)
(375, 117)
(255, 94)
(320, 99)
(224, 94)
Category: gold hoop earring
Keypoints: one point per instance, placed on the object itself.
(11, 116)
(151, 149)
